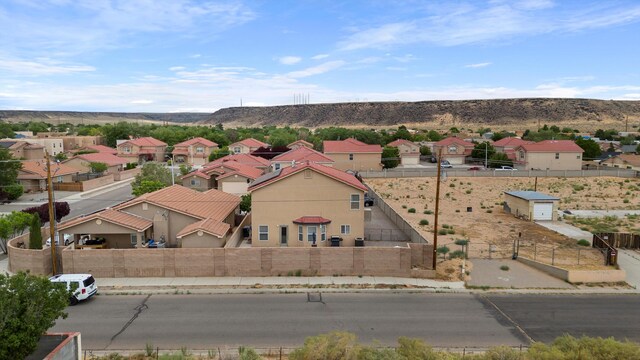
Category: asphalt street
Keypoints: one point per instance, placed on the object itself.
(272, 320)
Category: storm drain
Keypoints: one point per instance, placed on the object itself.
(314, 297)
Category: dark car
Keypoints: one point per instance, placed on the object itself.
(474, 168)
(368, 200)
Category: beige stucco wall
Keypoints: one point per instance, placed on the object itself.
(169, 228)
(76, 142)
(522, 208)
(202, 185)
(236, 185)
(409, 159)
(202, 241)
(84, 166)
(53, 146)
(619, 163)
(578, 276)
(288, 199)
(454, 156)
(118, 237)
(32, 154)
(243, 149)
(548, 161)
(360, 162)
(408, 148)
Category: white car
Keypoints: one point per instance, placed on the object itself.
(446, 164)
(81, 286)
(66, 237)
(506, 168)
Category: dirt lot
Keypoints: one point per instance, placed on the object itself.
(487, 226)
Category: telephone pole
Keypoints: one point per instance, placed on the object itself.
(52, 217)
(435, 221)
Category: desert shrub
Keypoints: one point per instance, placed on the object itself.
(489, 211)
(335, 345)
(626, 201)
(468, 191)
(568, 347)
(427, 212)
(504, 268)
(404, 206)
(414, 349)
(583, 242)
(443, 250)
(442, 232)
(458, 254)
(248, 354)
(451, 231)
(452, 185)
(502, 353)
(445, 226)
(424, 222)
(411, 210)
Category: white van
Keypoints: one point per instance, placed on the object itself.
(84, 285)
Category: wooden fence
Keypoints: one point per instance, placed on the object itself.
(610, 253)
(621, 240)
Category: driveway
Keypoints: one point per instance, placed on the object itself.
(487, 272)
(629, 261)
(601, 213)
(566, 229)
(381, 228)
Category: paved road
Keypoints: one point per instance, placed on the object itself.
(444, 320)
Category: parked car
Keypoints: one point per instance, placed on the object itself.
(66, 237)
(474, 168)
(433, 159)
(446, 164)
(506, 168)
(80, 286)
(368, 200)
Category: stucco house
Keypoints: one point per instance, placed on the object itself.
(299, 155)
(508, 146)
(245, 159)
(77, 142)
(94, 148)
(33, 175)
(142, 149)
(229, 176)
(550, 155)
(306, 204)
(409, 151)
(623, 161)
(175, 215)
(454, 150)
(193, 151)
(83, 162)
(351, 154)
(300, 143)
(246, 146)
(23, 150)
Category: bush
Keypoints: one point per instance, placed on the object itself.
(445, 226)
(414, 349)
(404, 206)
(248, 354)
(451, 231)
(583, 242)
(442, 232)
(335, 345)
(424, 222)
(458, 254)
(35, 235)
(504, 268)
(14, 191)
(427, 212)
(412, 210)
(443, 250)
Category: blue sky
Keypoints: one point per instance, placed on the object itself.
(182, 55)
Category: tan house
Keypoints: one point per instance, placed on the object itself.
(550, 155)
(193, 151)
(299, 155)
(246, 146)
(245, 159)
(231, 177)
(623, 161)
(33, 175)
(142, 149)
(306, 204)
(23, 150)
(531, 205)
(77, 142)
(53, 146)
(508, 146)
(409, 151)
(94, 149)
(175, 216)
(300, 143)
(83, 162)
(351, 154)
(454, 150)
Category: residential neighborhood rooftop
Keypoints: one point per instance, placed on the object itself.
(145, 141)
(196, 140)
(121, 218)
(38, 168)
(531, 195)
(250, 142)
(552, 146)
(246, 159)
(209, 226)
(350, 145)
(511, 142)
(303, 154)
(322, 169)
(107, 158)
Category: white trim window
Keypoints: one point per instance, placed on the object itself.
(351, 157)
(236, 149)
(199, 149)
(312, 232)
(355, 201)
(263, 232)
(345, 229)
(300, 233)
(323, 232)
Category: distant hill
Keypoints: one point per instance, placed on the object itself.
(494, 113)
(82, 117)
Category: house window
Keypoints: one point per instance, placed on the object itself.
(578, 157)
(311, 233)
(145, 206)
(350, 156)
(323, 232)
(54, 145)
(59, 179)
(355, 201)
(195, 182)
(134, 240)
(276, 166)
(199, 149)
(521, 153)
(236, 149)
(345, 229)
(300, 233)
(453, 149)
(557, 156)
(263, 232)
(126, 149)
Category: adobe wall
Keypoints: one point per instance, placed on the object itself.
(97, 182)
(126, 174)
(36, 262)
(577, 276)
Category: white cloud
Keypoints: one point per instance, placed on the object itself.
(316, 70)
(42, 66)
(289, 60)
(320, 57)
(478, 65)
(176, 68)
(141, 102)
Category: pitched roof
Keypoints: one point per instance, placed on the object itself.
(145, 141)
(250, 142)
(197, 173)
(349, 146)
(627, 159)
(301, 142)
(246, 159)
(553, 146)
(121, 218)
(240, 169)
(335, 174)
(197, 140)
(213, 203)
(398, 142)
(109, 159)
(454, 141)
(102, 149)
(511, 142)
(531, 195)
(209, 226)
(37, 169)
(303, 154)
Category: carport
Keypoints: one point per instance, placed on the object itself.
(120, 229)
(531, 205)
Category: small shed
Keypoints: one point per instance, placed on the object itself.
(531, 205)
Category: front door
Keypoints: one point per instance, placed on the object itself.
(283, 235)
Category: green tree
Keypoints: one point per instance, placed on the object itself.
(35, 235)
(336, 345)
(155, 174)
(29, 306)
(61, 156)
(499, 159)
(218, 153)
(591, 148)
(14, 191)
(482, 150)
(185, 169)
(245, 203)
(390, 157)
(37, 127)
(8, 172)
(98, 167)
(434, 135)
(402, 133)
(425, 151)
(147, 186)
(443, 250)
(6, 131)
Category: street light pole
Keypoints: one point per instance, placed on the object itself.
(435, 221)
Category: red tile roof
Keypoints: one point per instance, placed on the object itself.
(398, 142)
(301, 142)
(303, 154)
(102, 149)
(127, 220)
(240, 169)
(311, 220)
(37, 169)
(454, 140)
(511, 142)
(109, 159)
(213, 204)
(145, 141)
(552, 146)
(197, 173)
(349, 146)
(209, 226)
(194, 141)
(335, 174)
(250, 142)
(245, 159)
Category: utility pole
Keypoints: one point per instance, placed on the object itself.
(486, 153)
(52, 217)
(435, 221)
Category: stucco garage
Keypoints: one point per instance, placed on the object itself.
(531, 205)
